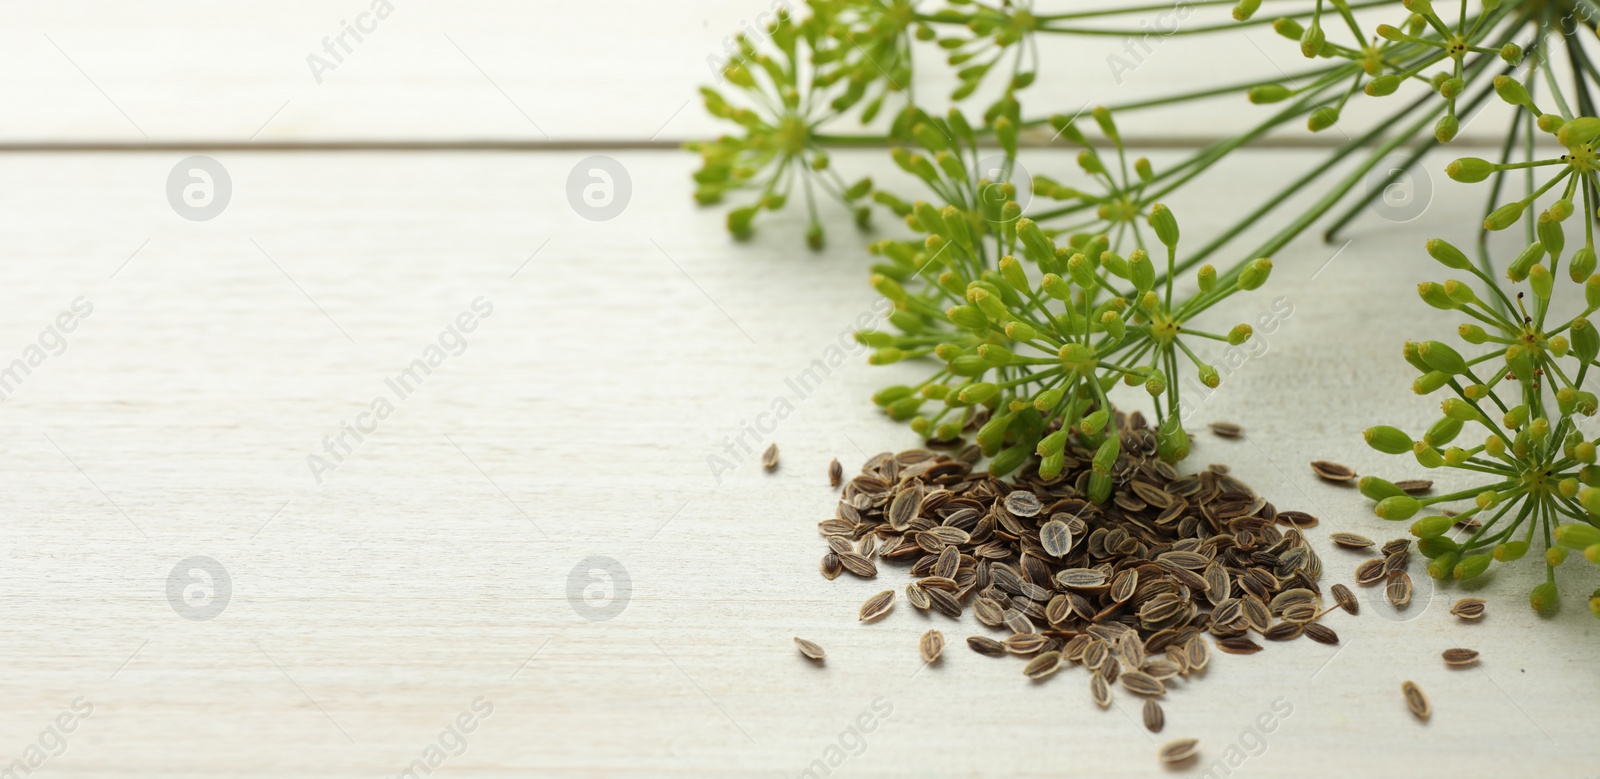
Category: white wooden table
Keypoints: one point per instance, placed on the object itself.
(428, 575)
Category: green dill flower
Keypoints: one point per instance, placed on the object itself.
(1511, 414)
(779, 148)
(1032, 328)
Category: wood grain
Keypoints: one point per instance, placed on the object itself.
(433, 566)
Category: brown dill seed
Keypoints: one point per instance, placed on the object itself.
(1056, 538)
(1179, 750)
(1333, 472)
(1459, 656)
(1226, 430)
(1397, 545)
(835, 473)
(809, 649)
(1414, 486)
(1346, 599)
(1100, 690)
(858, 564)
(1468, 608)
(1298, 519)
(1154, 718)
(1238, 645)
(769, 458)
(1042, 666)
(1024, 643)
(1399, 589)
(831, 566)
(1416, 701)
(985, 645)
(1023, 503)
(1370, 572)
(1141, 683)
(918, 597)
(1351, 540)
(931, 646)
(1320, 633)
(877, 606)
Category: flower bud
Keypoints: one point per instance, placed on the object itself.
(1142, 270)
(1472, 566)
(888, 355)
(1106, 455)
(1239, 334)
(1578, 535)
(1442, 432)
(1210, 377)
(1555, 555)
(1427, 456)
(1383, 85)
(1312, 40)
(1397, 507)
(1582, 264)
(1447, 254)
(1436, 546)
(1323, 118)
(1511, 53)
(1472, 334)
(1255, 274)
(1579, 131)
(1544, 597)
(1519, 267)
(1504, 216)
(1446, 128)
(1443, 563)
(1288, 28)
(1470, 170)
(1512, 91)
(1430, 527)
(1172, 442)
(1047, 400)
(1268, 93)
(1165, 225)
(1378, 489)
(1510, 551)
(1389, 440)
(1434, 295)
(1245, 9)
(1430, 382)
(1441, 357)
(1156, 383)
(968, 317)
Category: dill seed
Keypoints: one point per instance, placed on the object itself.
(877, 606)
(1128, 590)
(769, 458)
(984, 645)
(1468, 608)
(1141, 683)
(1333, 472)
(1370, 572)
(1460, 656)
(835, 473)
(1056, 538)
(809, 649)
(1154, 718)
(1238, 645)
(1320, 633)
(1397, 545)
(1226, 430)
(1351, 540)
(1346, 599)
(1416, 701)
(1399, 589)
(931, 646)
(1100, 691)
(1179, 750)
(1415, 486)
(831, 566)
(1043, 666)
(858, 564)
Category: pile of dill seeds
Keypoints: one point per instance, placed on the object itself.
(1129, 590)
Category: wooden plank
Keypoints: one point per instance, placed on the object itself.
(499, 71)
(434, 564)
